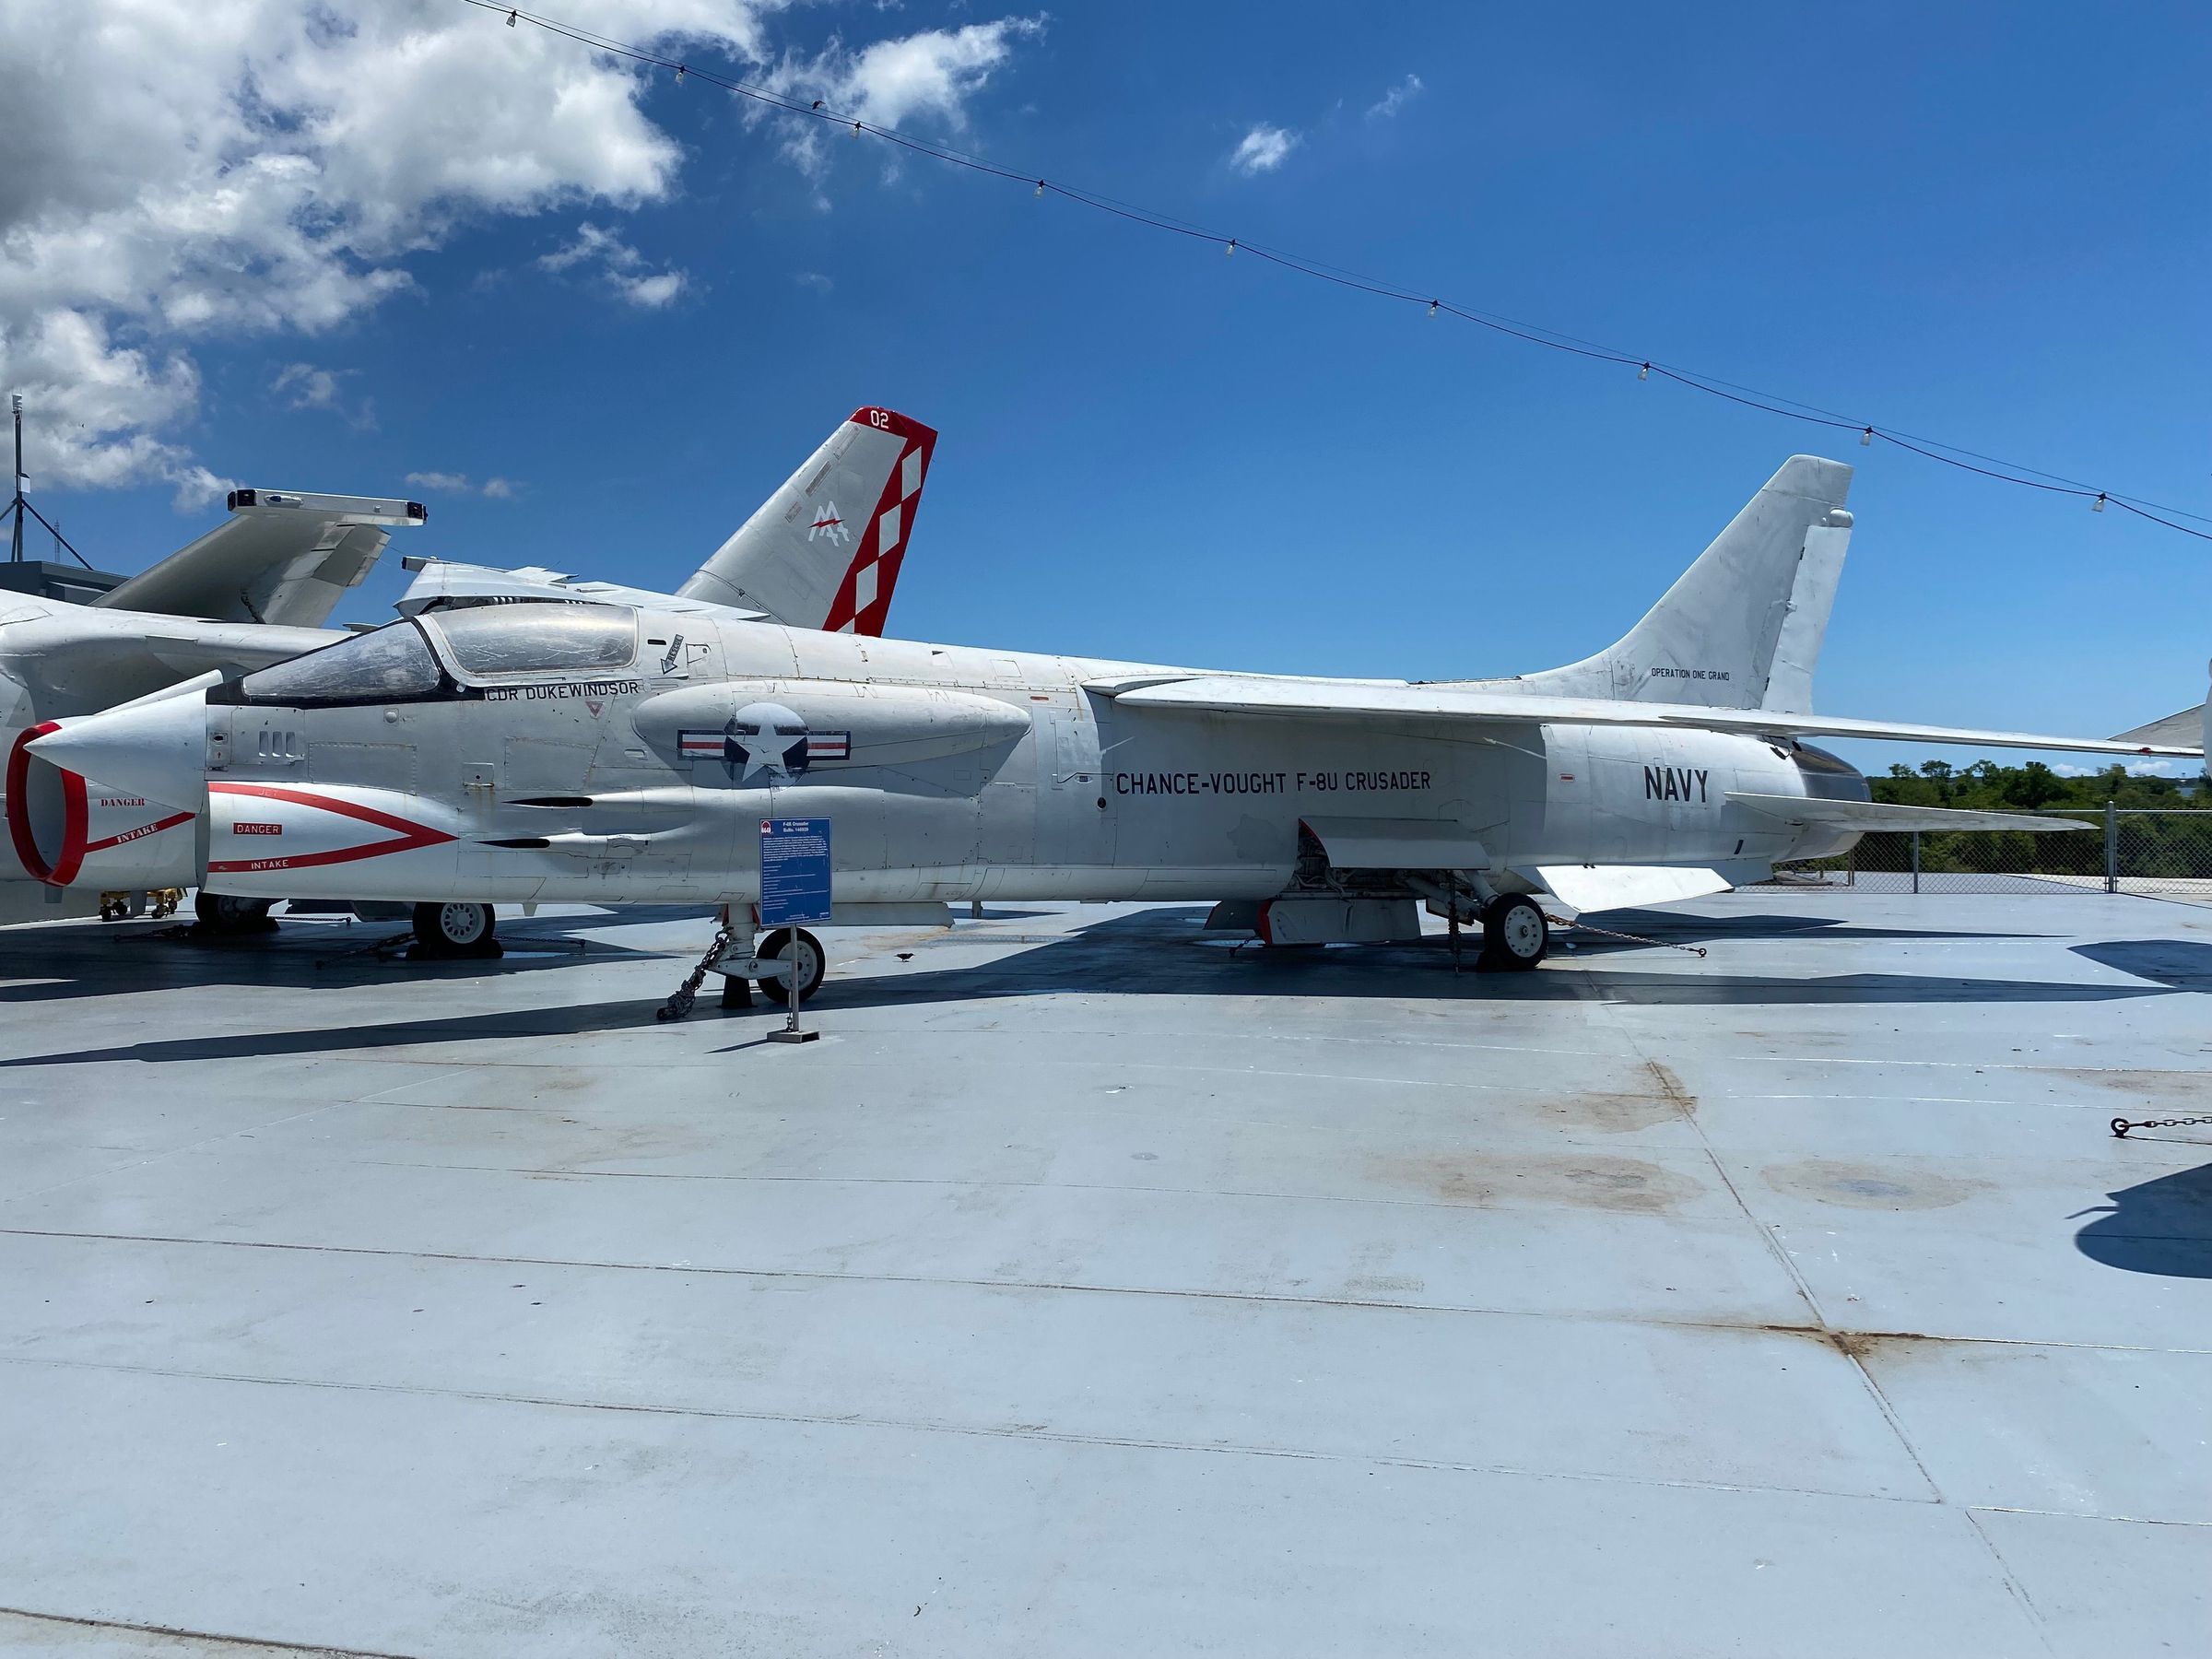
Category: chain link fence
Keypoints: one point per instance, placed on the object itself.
(2153, 852)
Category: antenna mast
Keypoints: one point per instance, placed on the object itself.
(21, 505)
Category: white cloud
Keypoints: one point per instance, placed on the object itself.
(308, 387)
(815, 280)
(1263, 150)
(447, 483)
(929, 76)
(618, 264)
(1396, 98)
(2136, 768)
(176, 174)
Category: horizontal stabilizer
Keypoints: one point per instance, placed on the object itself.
(1624, 886)
(1885, 815)
(1408, 703)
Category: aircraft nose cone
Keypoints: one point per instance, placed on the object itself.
(155, 749)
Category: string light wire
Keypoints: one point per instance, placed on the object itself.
(1750, 397)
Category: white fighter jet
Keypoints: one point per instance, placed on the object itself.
(801, 559)
(547, 750)
(253, 591)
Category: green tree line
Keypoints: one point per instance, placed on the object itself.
(2157, 846)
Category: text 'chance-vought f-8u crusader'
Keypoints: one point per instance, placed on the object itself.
(824, 551)
(547, 750)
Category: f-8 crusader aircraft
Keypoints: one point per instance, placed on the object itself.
(800, 558)
(544, 749)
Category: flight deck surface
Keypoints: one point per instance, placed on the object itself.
(1093, 1288)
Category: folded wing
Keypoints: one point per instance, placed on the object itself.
(281, 557)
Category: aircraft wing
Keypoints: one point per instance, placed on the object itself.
(440, 582)
(281, 557)
(1442, 702)
(79, 660)
(1885, 815)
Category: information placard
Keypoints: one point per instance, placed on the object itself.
(794, 871)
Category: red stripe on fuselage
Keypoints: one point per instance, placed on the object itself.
(140, 833)
(410, 836)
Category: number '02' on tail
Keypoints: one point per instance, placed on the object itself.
(825, 550)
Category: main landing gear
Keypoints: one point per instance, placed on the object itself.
(782, 960)
(805, 963)
(455, 929)
(1515, 936)
(222, 914)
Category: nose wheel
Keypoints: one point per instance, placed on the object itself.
(1515, 936)
(804, 959)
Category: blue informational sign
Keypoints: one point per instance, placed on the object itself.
(794, 871)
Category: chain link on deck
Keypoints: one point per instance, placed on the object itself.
(2121, 1126)
(1696, 950)
(678, 1006)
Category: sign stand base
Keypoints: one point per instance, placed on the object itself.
(791, 1034)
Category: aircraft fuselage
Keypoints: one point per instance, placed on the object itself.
(948, 773)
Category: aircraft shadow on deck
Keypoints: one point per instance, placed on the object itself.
(2163, 1227)
(1161, 953)
(2178, 964)
(1152, 953)
(96, 959)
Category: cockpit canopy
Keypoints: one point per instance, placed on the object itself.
(442, 652)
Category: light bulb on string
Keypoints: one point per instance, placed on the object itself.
(1644, 372)
(681, 72)
(2098, 505)
(856, 129)
(511, 19)
(1230, 252)
(1041, 189)
(1867, 439)
(1433, 305)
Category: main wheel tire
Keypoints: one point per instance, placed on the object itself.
(1514, 935)
(812, 961)
(456, 929)
(222, 913)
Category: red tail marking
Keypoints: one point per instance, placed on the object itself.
(869, 619)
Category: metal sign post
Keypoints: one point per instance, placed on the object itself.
(795, 888)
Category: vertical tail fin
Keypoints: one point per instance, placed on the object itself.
(1741, 628)
(824, 551)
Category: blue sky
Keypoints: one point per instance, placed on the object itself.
(1985, 223)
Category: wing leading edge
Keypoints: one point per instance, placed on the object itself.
(1406, 700)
